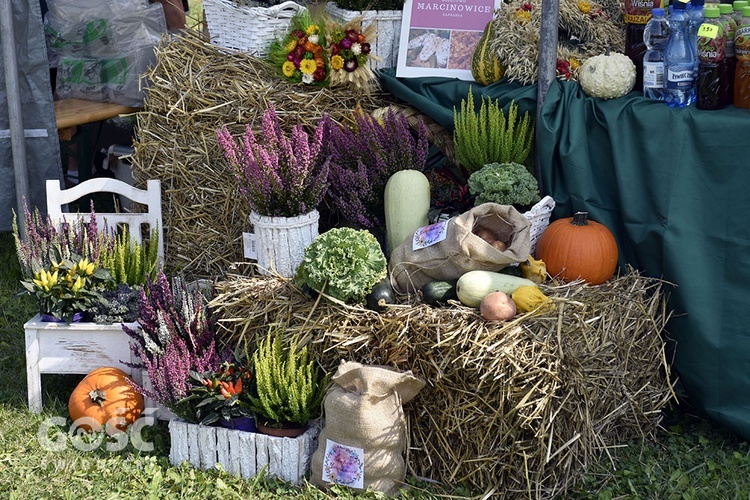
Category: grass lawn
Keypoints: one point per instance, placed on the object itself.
(692, 458)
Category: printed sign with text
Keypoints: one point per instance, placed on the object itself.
(438, 37)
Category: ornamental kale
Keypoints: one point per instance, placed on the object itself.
(504, 183)
(178, 334)
(279, 176)
(344, 263)
(363, 160)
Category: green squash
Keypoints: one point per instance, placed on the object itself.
(485, 64)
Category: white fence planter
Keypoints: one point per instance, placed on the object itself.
(278, 243)
(73, 348)
(387, 31)
(242, 453)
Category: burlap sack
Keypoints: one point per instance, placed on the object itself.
(462, 250)
(363, 410)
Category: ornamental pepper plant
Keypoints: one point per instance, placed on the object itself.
(221, 394)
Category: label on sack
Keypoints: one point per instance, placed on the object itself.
(344, 465)
(429, 235)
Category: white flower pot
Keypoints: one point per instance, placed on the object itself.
(278, 243)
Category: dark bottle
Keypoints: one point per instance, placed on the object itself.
(712, 72)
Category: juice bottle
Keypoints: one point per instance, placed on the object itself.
(737, 10)
(712, 43)
(637, 14)
(730, 26)
(742, 52)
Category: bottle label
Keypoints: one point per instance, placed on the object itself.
(711, 43)
(653, 75)
(742, 43)
(680, 78)
(639, 11)
(730, 28)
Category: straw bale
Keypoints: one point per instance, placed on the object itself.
(510, 409)
(196, 87)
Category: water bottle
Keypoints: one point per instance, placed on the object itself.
(656, 37)
(637, 14)
(679, 61)
(712, 74)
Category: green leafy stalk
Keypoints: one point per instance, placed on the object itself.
(491, 136)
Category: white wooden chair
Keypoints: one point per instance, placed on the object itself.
(81, 347)
(57, 198)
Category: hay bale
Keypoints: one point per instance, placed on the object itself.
(516, 408)
(196, 88)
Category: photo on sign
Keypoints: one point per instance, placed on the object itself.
(438, 38)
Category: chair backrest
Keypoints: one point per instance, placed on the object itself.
(57, 198)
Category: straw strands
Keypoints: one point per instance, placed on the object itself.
(195, 88)
(516, 408)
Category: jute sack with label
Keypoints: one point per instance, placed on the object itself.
(363, 412)
(461, 250)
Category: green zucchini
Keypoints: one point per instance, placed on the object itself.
(438, 293)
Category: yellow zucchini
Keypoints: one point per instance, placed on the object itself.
(473, 286)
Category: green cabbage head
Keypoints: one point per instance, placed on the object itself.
(505, 184)
(348, 262)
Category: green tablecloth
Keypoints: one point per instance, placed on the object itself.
(673, 185)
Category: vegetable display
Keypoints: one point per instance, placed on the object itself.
(497, 306)
(407, 201)
(106, 399)
(576, 247)
(505, 184)
(473, 286)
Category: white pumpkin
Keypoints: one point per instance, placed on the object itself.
(607, 76)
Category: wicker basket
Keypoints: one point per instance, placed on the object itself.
(387, 28)
(248, 29)
(539, 216)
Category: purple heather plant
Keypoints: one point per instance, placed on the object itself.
(279, 176)
(178, 334)
(363, 159)
(80, 238)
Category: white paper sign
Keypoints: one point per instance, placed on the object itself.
(438, 37)
(344, 465)
(429, 235)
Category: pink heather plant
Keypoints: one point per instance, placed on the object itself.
(362, 160)
(279, 176)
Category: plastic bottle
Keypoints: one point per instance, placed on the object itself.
(695, 19)
(730, 26)
(655, 37)
(712, 43)
(637, 14)
(679, 61)
(737, 10)
(742, 50)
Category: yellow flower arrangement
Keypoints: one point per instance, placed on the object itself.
(300, 55)
(523, 16)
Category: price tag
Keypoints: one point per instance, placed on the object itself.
(708, 31)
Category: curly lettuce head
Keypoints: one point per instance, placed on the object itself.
(505, 184)
(348, 262)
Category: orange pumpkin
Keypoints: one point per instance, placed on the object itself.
(106, 397)
(576, 247)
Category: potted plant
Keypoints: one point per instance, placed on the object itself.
(283, 178)
(289, 387)
(382, 15)
(222, 396)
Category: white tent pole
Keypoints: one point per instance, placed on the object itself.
(547, 68)
(17, 138)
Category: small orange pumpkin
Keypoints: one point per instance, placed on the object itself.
(106, 397)
(576, 247)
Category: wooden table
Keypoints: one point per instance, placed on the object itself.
(72, 112)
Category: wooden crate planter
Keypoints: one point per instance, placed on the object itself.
(242, 453)
(76, 348)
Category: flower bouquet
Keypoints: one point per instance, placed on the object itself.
(349, 52)
(300, 55)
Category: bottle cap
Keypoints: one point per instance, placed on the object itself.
(738, 4)
(679, 5)
(711, 12)
(725, 8)
(746, 11)
(658, 11)
(698, 3)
